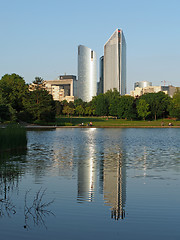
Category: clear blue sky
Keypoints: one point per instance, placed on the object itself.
(40, 37)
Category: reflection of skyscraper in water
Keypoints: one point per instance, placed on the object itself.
(115, 185)
(87, 167)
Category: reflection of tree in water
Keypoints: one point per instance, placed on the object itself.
(11, 171)
(36, 210)
(40, 161)
(9, 180)
(6, 207)
(10, 174)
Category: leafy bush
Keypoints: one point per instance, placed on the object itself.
(68, 124)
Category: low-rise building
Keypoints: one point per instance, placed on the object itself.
(142, 84)
(64, 88)
(170, 90)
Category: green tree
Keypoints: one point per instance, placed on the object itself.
(58, 107)
(126, 107)
(174, 107)
(113, 107)
(40, 105)
(142, 109)
(79, 110)
(12, 91)
(158, 104)
(100, 104)
(7, 113)
(112, 100)
(71, 104)
(68, 110)
(89, 111)
(78, 102)
(38, 83)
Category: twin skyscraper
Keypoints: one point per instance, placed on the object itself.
(112, 68)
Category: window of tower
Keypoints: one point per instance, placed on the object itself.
(91, 54)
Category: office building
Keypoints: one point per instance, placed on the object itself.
(64, 88)
(87, 73)
(100, 86)
(115, 63)
(142, 84)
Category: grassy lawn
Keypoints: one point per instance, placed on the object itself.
(102, 122)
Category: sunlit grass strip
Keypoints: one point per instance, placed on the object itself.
(110, 122)
(13, 137)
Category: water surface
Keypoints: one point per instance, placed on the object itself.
(92, 184)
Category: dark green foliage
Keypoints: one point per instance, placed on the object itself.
(25, 116)
(80, 107)
(48, 115)
(158, 104)
(79, 110)
(78, 102)
(113, 107)
(143, 109)
(12, 91)
(101, 105)
(58, 108)
(40, 105)
(12, 137)
(112, 98)
(67, 110)
(89, 111)
(7, 113)
(174, 107)
(126, 108)
(38, 81)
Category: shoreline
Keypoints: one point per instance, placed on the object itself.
(54, 127)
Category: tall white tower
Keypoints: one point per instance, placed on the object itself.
(87, 73)
(115, 63)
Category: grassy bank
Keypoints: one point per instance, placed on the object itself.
(12, 137)
(112, 122)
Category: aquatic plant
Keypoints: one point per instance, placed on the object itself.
(36, 209)
(12, 137)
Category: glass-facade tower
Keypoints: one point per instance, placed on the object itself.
(87, 73)
(115, 63)
(101, 76)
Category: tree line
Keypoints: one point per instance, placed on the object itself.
(149, 106)
(20, 103)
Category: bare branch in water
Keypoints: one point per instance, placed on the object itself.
(37, 209)
(6, 207)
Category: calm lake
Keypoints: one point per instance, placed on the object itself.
(92, 184)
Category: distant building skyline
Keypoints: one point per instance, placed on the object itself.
(115, 63)
(143, 88)
(87, 73)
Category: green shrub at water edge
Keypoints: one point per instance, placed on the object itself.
(12, 137)
(68, 124)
